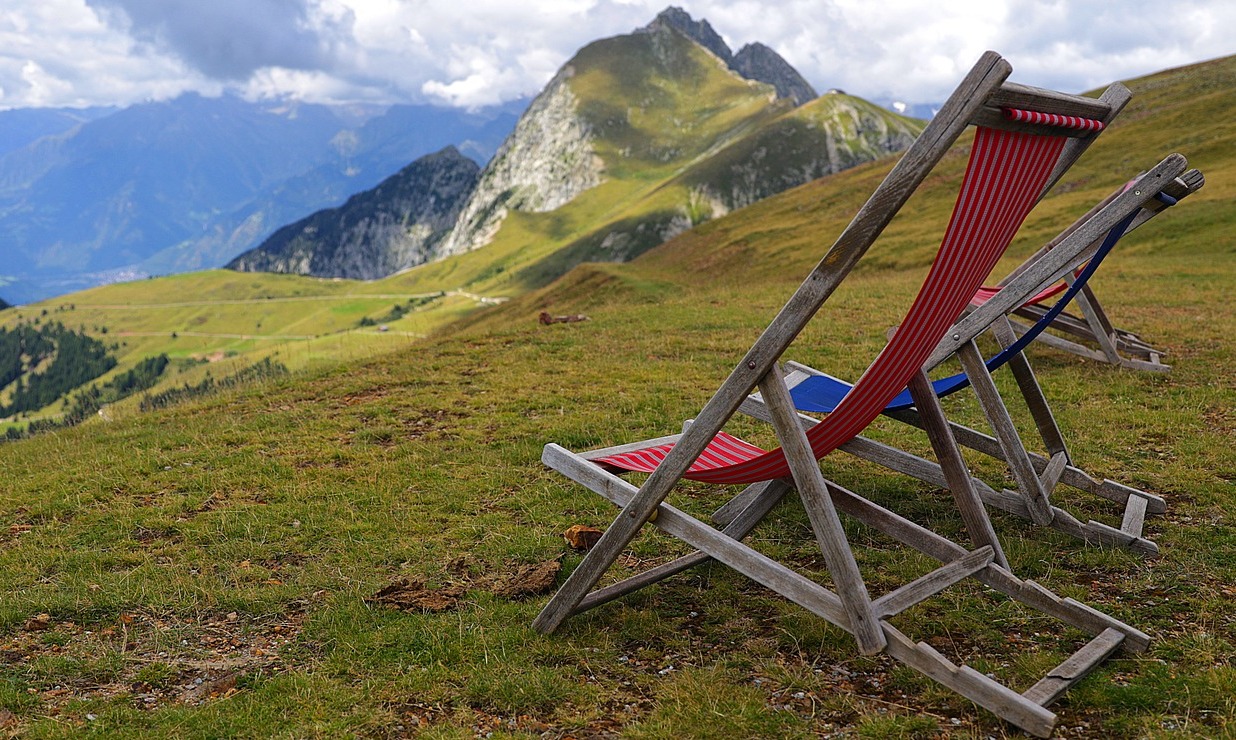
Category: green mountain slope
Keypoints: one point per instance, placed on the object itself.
(637, 138)
(217, 567)
(661, 136)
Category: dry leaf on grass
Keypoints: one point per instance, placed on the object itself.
(580, 537)
(37, 623)
(221, 686)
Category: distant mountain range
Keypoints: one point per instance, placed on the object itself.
(87, 197)
(667, 119)
(23, 126)
(99, 195)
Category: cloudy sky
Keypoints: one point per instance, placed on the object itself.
(477, 52)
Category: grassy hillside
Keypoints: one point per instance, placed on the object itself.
(214, 569)
(219, 321)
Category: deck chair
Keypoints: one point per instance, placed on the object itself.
(1025, 139)
(1090, 334)
(1037, 475)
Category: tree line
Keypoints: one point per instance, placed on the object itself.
(71, 358)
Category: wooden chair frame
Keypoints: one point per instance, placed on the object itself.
(1092, 334)
(1036, 475)
(850, 606)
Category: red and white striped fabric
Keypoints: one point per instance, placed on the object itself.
(1006, 173)
(1053, 119)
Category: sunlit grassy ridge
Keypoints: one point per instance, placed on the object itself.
(234, 539)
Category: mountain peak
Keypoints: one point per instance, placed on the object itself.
(755, 61)
(701, 32)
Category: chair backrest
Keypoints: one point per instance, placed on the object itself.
(978, 100)
(1007, 173)
(822, 394)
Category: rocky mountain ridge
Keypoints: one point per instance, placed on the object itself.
(544, 164)
(664, 122)
(754, 61)
(377, 232)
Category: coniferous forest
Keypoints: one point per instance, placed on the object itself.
(46, 363)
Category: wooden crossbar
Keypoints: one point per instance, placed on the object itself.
(1075, 668)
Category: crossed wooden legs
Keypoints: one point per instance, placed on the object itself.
(1036, 475)
(851, 607)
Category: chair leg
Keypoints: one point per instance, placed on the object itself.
(603, 554)
(1010, 442)
(1100, 326)
(960, 482)
(1036, 402)
(824, 520)
(767, 495)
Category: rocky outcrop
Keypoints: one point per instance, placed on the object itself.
(701, 32)
(830, 134)
(544, 164)
(758, 62)
(398, 224)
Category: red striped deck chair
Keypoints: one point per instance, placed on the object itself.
(1025, 139)
(1076, 254)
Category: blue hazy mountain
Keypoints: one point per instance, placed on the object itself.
(190, 183)
(23, 126)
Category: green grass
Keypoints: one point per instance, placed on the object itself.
(203, 571)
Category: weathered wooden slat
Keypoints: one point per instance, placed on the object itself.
(1123, 538)
(1051, 474)
(941, 548)
(1011, 448)
(960, 482)
(1134, 516)
(1075, 668)
(930, 584)
(1016, 95)
(978, 688)
(766, 497)
(631, 447)
(1032, 393)
(732, 508)
(824, 520)
(756, 566)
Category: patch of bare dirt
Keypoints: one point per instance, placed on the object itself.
(163, 660)
(516, 582)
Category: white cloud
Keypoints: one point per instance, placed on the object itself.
(77, 52)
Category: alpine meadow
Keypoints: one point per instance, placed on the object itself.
(335, 522)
